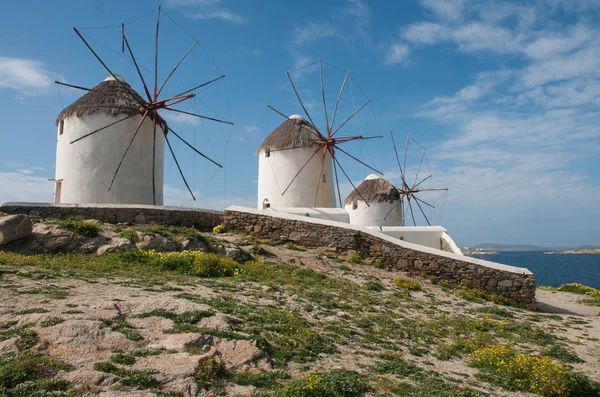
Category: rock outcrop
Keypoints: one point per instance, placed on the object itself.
(14, 227)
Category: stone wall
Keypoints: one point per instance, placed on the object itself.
(516, 284)
(112, 213)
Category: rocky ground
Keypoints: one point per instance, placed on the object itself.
(81, 315)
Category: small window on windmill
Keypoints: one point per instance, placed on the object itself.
(324, 180)
(267, 152)
(61, 127)
(354, 205)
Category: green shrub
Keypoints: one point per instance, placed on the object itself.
(262, 379)
(123, 359)
(30, 366)
(79, 226)
(338, 383)
(561, 353)
(355, 258)
(209, 372)
(593, 293)
(219, 229)
(130, 235)
(379, 264)
(478, 295)
(129, 377)
(407, 283)
(503, 366)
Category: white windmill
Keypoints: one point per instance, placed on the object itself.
(110, 146)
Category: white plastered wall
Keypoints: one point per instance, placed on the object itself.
(429, 236)
(86, 168)
(376, 214)
(332, 214)
(277, 171)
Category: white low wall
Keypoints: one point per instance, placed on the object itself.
(429, 236)
(330, 214)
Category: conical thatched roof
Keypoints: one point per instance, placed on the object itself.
(373, 189)
(294, 132)
(102, 98)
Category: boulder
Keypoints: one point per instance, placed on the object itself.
(116, 244)
(14, 227)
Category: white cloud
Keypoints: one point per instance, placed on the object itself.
(549, 44)
(310, 32)
(251, 129)
(445, 9)
(19, 187)
(222, 14)
(24, 171)
(425, 33)
(22, 74)
(396, 54)
(181, 197)
(193, 2)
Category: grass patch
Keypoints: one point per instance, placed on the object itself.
(338, 383)
(561, 353)
(408, 283)
(27, 338)
(31, 373)
(80, 226)
(592, 293)
(125, 328)
(32, 310)
(426, 383)
(478, 295)
(130, 235)
(184, 322)
(355, 258)
(503, 366)
(123, 359)
(209, 373)
(51, 321)
(293, 247)
(129, 377)
(373, 284)
(262, 379)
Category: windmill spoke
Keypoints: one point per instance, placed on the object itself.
(137, 68)
(397, 158)
(363, 163)
(300, 100)
(127, 150)
(175, 68)
(419, 169)
(349, 180)
(194, 149)
(338, 185)
(319, 180)
(338, 99)
(411, 212)
(391, 209)
(202, 85)
(156, 57)
(423, 201)
(177, 164)
(154, 159)
(73, 86)
(300, 170)
(103, 128)
(349, 118)
(278, 112)
(345, 139)
(405, 151)
(99, 59)
(323, 94)
(197, 115)
(414, 187)
(433, 189)
(422, 212)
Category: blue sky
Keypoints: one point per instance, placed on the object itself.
(504, 96)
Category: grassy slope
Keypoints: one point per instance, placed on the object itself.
(313, 313)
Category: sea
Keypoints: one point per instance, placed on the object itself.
(553, 269)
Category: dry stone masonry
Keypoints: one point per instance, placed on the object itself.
(111, 213)
(515, 284)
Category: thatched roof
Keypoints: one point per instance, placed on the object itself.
(373, 189)
(294, 132)
(102, 98)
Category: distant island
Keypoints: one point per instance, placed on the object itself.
(471, 251)
(575, 251)
(516, 247)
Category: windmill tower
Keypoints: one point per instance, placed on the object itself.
(296, 159)
(110, 145)
(80, 171)
(281, 156)
(382, 197)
